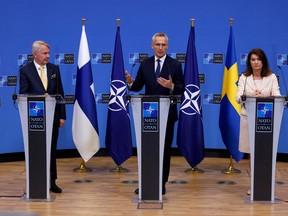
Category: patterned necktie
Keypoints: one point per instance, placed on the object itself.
(43, 77)
(157, 73)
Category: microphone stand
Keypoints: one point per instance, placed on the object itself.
(58, 97)
(173, 99)
(286, 97)
(128, 96)
(14, 95)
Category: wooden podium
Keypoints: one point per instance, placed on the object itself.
(150, 115)
(37, 115)
(264, 122)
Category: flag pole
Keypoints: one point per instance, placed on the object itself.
(193, 169)
(231, 169)
(118, 169)
(82, 168)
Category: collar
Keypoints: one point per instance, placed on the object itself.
(162, 59)
(38, 66)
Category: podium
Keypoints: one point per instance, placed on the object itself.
(150, 115)
(264, 122)
(37, 115)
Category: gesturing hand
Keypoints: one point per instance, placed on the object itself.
(167, 83)
(128, 78)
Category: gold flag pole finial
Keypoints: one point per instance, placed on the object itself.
(118, 22)
(83, 21)
(231, 21)
(192, 22)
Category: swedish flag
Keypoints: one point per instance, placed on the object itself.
(229, 119)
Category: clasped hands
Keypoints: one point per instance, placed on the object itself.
(257, 93)
(166, 83)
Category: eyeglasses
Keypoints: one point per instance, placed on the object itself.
(158, 45)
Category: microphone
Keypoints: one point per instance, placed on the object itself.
(128, 96)
(58, 97)
(14, 95)
(286, 97)
(243, 97)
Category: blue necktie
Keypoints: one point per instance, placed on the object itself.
(158, 69)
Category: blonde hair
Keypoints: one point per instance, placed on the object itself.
(37, 45)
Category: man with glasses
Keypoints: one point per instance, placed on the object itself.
(161, 75)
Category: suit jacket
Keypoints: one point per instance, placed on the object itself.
(269, 87)
(146, 77)
(30, 83)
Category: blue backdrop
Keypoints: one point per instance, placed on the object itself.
(256, 23)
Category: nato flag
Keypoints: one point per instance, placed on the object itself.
(190, 137)
(118, 132)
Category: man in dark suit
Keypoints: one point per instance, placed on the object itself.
(169, 81)
(39, 78)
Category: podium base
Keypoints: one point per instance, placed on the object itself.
(247, 200)
(150, 205)
(136, 199)
(25, 199)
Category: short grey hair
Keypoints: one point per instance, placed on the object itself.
(160, 34)
(37, 45)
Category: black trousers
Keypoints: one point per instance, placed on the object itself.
(167, 149)
(53, 166)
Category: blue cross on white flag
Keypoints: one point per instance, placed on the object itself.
(85, 125)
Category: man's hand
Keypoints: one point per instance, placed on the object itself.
(128, 78)
(165, 83)
(62, 122)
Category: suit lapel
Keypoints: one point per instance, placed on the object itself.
(166, 69)
(49, 75)
(250, 83)
(264, 82)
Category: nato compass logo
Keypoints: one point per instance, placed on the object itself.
(36, 108)
(191, 104)
(62, 58)
(243, 58)
(264, 117)
(101, 58)
(117, 100)
(36, 116)
(8, 81)
(3, 81)
(282, 59)
(59, 59)
(212, 58)
(24, 59)
(96, 58)
(135, 58)
(150, 116)
(208, 99)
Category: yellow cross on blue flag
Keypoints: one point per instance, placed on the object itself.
(229, 119)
